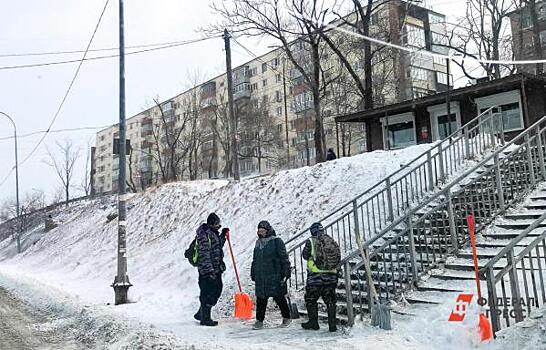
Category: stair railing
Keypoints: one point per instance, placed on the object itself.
(434, 229)
(390, 198)
(518, 288)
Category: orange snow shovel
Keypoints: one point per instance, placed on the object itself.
(484, 325)
(243, 303)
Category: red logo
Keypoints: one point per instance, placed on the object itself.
(459, 313)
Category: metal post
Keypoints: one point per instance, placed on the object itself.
(540, 151)
(514, 285)
(232, 119)
(412, 251)
(467, 143)
(429, 171)
(530, 161)
(121, 282)
(441, 161)
(498, 181)
(452, 229)
(349, 291)
(18, 233)
(389, 198)
(492, 300)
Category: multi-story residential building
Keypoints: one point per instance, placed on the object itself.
(274, 108)
(524, 45)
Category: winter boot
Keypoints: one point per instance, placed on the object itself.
(258, 325)
(197, 315)
(285, 323)
(312, 313)
(205, 317)
(332, 317)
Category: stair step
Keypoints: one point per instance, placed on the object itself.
(454, 275)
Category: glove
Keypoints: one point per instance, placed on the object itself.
(225, 232)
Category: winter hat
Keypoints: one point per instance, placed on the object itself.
(316, 229)
(213, 220)
(264, 224)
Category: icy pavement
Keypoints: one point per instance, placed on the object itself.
(20, 328)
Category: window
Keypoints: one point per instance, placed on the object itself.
(419, 74)
(543, 37)
(279, 128)
(415, 36)
(278, 78)
(292, 124)
(254, 87)
(435, 19)
(441, 78)
(253, 71)
(265, 99)
(399, 130)
(102, 138)
(264, 82)
(508, 104)
(264, 67)
(275, 62)
(439, 60)
(279, 111)
(278, 96)
(439, 39)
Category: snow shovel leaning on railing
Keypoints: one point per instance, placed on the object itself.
(381, 314)
(243, 303)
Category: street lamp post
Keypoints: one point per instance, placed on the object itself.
(16, 183)
(121, 282)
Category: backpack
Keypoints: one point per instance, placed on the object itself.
(192, 253)
(327, 253)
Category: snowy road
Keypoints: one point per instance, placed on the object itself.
(22, 329)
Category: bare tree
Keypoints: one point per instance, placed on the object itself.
(259, 134)
(167, 133)
(293, 24)
(63, 161)
(483, 33)
(85, 185)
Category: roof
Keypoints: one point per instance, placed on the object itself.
(482, 88)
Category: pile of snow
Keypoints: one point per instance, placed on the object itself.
(78, 258)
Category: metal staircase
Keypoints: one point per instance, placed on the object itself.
(415, 219)
(436, 228)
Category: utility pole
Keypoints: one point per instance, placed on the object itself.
(232, 120)
(285, 111)
(18, 234)
(121, 282)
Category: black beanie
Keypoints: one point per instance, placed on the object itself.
(264, 224)
(213, 220)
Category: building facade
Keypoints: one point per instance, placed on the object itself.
(274, 107)
(529, 40)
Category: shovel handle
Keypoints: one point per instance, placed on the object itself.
(233, 260)
(472, 232)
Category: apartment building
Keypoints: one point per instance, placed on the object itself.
(524, 44)
(276, 121)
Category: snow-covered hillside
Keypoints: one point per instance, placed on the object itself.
(78, 258)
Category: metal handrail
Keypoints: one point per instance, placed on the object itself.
(456, 133)
(446, 188)
(512, 244)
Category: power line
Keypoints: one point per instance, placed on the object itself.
(50, 53)
(429, 53)
(69, 86)
(34, 65)
(56, 131)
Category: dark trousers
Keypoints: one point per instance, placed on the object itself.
(211, 289)
(261, 305)
(326, 291)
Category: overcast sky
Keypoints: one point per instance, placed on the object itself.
(31, 96)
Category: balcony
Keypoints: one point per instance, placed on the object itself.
(241, 91)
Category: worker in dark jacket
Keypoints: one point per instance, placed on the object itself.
(270, 270)
(210, 264)
(330, 155)
(321, 281)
